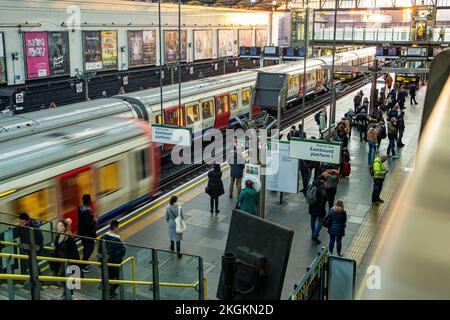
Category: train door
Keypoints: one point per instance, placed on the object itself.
(297, 85)
(234, 104)
(222, 111)
(193, 119)
(208, 112)
(71, 187)
(174, 116)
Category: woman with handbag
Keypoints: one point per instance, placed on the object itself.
(336, 219)
(173, 211)
(215, 187)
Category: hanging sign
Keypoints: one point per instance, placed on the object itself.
(315, 150)
(171, 135)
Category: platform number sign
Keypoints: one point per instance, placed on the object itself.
(79, 87)
(19, 97)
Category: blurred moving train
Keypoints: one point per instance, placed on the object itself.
(50, 158)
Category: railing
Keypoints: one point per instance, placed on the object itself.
(393, 34)
(145, 273)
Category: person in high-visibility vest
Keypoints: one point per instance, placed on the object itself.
(379, 174)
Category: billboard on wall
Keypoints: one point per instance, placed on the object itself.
(142, 48)
(171, 45)
(227, 47)
(261, 37)
(58, 44)
(36, 55)
(109, 49)
(92, 50)
(149, 43)
(2, 60)
(245, 38)
(203, 44)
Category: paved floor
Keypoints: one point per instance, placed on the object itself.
(207, 234)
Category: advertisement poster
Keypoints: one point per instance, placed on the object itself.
(261, 37)
(36, 52)
(2, 60)
(245, 38)
(171, 46)
(109, 49)
(136, 48)
(203, 44)
(58, 44)
(92, 50)
(227, 46)
(149, 44)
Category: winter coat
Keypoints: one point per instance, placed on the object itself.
(64, 249)
(114, 247)
(323, 122)
(237, 166)
(392, 130)
(86, 222)
(171, 214)
(338, 222)
(23, 234)
(318, 208)
(248, 200)
(215, 184)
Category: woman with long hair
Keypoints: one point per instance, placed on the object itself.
(215, 187)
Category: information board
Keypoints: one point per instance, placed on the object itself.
(283, 169)
(315, 150)
(171, 135)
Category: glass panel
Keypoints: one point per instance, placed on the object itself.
(36, 204)
(108, 179)
(226, 105)
(192, 114)
(219, 105)
(207, 109)
(246, 97)
(143, 166)
(159, 119)
(234, 101)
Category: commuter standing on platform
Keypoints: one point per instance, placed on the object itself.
(372, 140)
(300, 133)
(336, 230)
(87, 223)
(379, 174)
(362, 119)
(332, 175)
(248, 199)
(316, 196)
(237, 167)
(357, 100)
(389, 81)
(215, 187)
(291, 133)
(401, 97)
(322, 121)
(412, 94)
(441, 34)
(401, 129)
(392, 136)
(172, 212)
(116, 251)
(65, 247)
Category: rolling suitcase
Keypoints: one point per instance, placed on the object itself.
(346, 169)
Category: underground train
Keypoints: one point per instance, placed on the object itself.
(84, 147)
(111, 159)
(206, 103)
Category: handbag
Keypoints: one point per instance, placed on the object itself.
(327, 220)
(180, 225)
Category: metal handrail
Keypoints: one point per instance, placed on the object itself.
(16, 244)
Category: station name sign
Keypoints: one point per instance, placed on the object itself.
(171, 135)
(315, 150)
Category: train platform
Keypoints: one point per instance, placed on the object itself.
(207, 233)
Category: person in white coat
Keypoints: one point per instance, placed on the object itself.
(172, 211)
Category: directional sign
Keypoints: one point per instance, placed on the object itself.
(315, 150)
(19, 97)
(171, 135)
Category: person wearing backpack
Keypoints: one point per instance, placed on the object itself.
(316, 196)
(357, 101)
(87, 223)
(372, 139)
(336, 230)
(381, 132)
(362, 119)
(172, 212)
(379, 174)
(332, 175)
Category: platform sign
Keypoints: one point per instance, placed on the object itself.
(171, 135)
(315, 150)
(283, 169)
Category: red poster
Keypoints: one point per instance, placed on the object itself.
(36, 51)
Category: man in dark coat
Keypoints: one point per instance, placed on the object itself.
(215, 187)
(237, 166)
(317, 209)
(116, 251)
(86, 228)
(412, 94)
(362, 119)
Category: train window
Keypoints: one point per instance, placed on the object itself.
(234, 101)
(192, 114)
(108, 179)
(226, 104)
(308, 77)
(297, 82)
(36, 204)
(171, 118)
(219, 105)
(246, 97)
(158, 119)
(143, 166)
(207, 109)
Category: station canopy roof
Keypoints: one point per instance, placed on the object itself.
(240, 4)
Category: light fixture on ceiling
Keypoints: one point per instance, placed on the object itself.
(252, 1)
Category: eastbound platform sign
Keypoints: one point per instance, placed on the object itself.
(315, 150)
(171, 135)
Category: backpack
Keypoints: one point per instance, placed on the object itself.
(311, 194)
(317, 118)
(332, 181)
